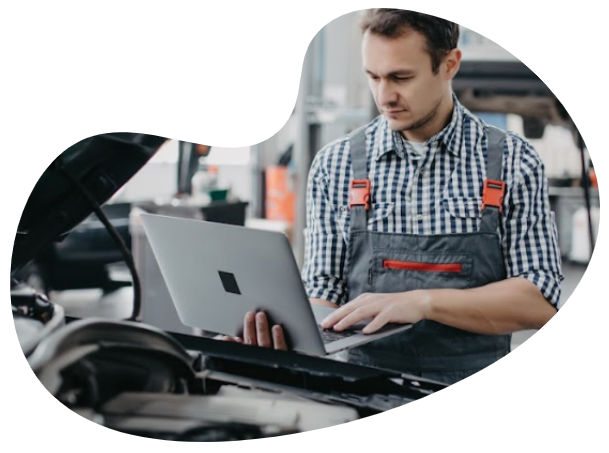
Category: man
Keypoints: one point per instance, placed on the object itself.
(426, 216)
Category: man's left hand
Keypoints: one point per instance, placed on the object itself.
(405, 308)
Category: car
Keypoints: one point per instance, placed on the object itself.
(89, 257)
(86, 257)
(138, 379)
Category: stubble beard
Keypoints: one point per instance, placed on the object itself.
(421, 122)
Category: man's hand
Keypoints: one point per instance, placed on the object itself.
(498, 308)
(256, 332)
(406, 308)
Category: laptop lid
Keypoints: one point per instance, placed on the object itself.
(215, 273)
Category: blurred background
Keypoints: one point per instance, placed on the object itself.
(263, 186)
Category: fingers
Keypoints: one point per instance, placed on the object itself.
(263, 335)
(257, 332)
(279, 338)
(357, 315)
(232, 339)
(249, 329)
(344, 311)
(379, 321)
(337, 315)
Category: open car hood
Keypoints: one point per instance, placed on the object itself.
(101, 164)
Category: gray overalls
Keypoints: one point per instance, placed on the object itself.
(388, 263)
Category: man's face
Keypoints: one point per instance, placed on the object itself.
(405, 89)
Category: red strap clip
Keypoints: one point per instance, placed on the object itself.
(492, 194)
(360, 193)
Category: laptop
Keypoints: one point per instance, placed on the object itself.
(215, 273)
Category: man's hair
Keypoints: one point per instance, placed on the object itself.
(441, 35)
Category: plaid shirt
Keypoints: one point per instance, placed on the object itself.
(437, 193)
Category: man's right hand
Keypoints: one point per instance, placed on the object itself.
(257, 332)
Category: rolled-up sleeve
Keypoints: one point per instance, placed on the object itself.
(325, 249)
(530, 241)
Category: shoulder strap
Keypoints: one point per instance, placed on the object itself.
(359, 164)
(494, 170)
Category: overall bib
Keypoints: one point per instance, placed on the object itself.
(390, 263)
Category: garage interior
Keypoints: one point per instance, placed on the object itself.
(263, 186)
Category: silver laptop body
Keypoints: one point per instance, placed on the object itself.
(215, 273)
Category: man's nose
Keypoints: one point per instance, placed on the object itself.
(386, 93)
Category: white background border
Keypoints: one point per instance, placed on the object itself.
(227, 75)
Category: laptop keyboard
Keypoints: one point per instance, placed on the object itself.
(330, 335)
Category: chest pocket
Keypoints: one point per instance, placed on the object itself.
(379, 213)
(463, 214)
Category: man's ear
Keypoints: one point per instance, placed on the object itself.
(451, 64)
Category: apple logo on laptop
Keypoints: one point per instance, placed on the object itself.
(229, 282)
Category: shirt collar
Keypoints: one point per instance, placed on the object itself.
(449, 138)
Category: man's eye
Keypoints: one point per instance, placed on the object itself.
(402, 79)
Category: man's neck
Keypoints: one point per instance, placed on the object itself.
(441, 118)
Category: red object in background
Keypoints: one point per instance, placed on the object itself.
(593, 180)
(280, 195)
(202, 150)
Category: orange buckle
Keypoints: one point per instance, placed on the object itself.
(492, 194)
(360, 193)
